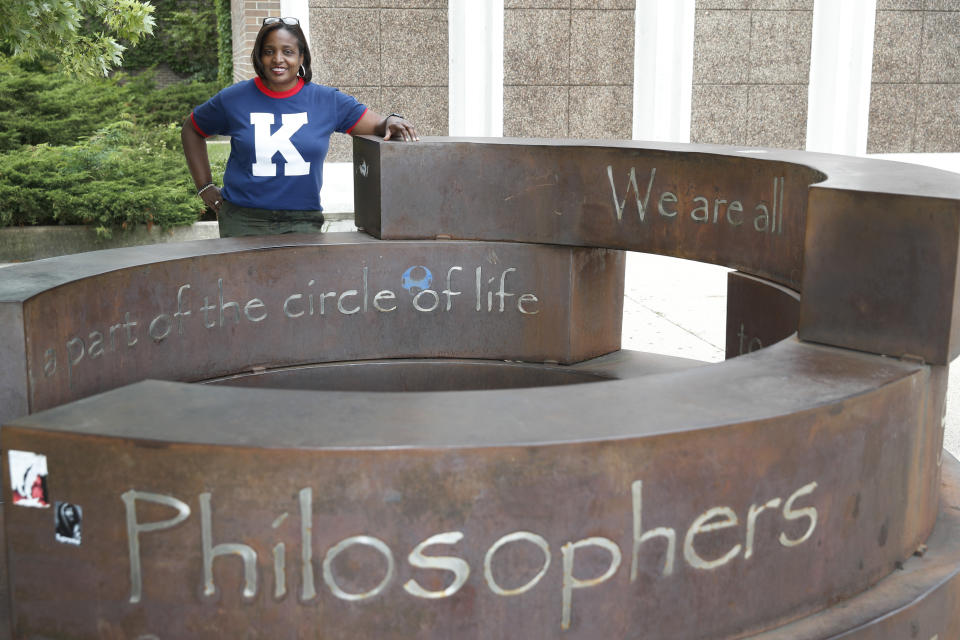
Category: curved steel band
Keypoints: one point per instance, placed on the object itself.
(667, 500)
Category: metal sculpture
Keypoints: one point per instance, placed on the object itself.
(665, 499)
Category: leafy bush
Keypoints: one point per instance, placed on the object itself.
(172, 104)
(37, 108)
(185, 38)
(122, 176)
(192, 47)
(80, 35)
(57, 109)
(224, 42)
(126, 166)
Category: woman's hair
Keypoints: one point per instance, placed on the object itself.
(301, 43)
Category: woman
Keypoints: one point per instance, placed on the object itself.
(279, 125)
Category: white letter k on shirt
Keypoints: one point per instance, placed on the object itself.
(268, 145)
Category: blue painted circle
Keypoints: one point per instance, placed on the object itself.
(414, 279)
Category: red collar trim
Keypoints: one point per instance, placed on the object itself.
(278, 94)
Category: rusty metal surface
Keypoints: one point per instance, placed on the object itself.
(13, 363)
(218, 312)
(734, 210)
(402, 468)
(896, 293)
(665, 501)
(411, 375)
(881, 231)
(690, 399)
(449, 374)
(759, 313)
(920, 600)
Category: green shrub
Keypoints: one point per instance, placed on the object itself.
(185, 38)
(224, 43)
(52, 108)
(122, 176)
(174, 103)
(126, 166)
(192, 47)
(57, 109)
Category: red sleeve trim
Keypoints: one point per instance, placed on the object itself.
(358, 120)
(197, 127)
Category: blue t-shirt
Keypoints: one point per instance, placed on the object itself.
(277, 140)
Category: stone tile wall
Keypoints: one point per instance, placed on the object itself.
(391, 54)
(246, 18)
(568, 68)
(916, 77)
(751, 71)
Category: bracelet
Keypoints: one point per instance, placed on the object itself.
(204, 188)
(394, 115)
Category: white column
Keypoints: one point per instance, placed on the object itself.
(663, 70)
(841, 65)
(300, 10)
(476, 67)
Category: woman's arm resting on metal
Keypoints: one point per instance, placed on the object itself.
(198, 163)
(392, 126)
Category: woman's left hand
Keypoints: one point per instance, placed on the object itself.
(400, 128)
(393, 126)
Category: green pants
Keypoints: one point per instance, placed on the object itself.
(237, 221)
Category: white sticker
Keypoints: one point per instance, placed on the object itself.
(28, 479)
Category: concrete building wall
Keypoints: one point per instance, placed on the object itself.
(916, 77)
(568, 68)
(751, 67)
(740, 71)
(390, 54)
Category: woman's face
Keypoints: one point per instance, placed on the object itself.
(281, 60)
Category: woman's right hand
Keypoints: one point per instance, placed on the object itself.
(198, 163)
(212, 198)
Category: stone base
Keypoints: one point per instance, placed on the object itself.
(21, 244)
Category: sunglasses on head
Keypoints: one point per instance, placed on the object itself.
(290, 22)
